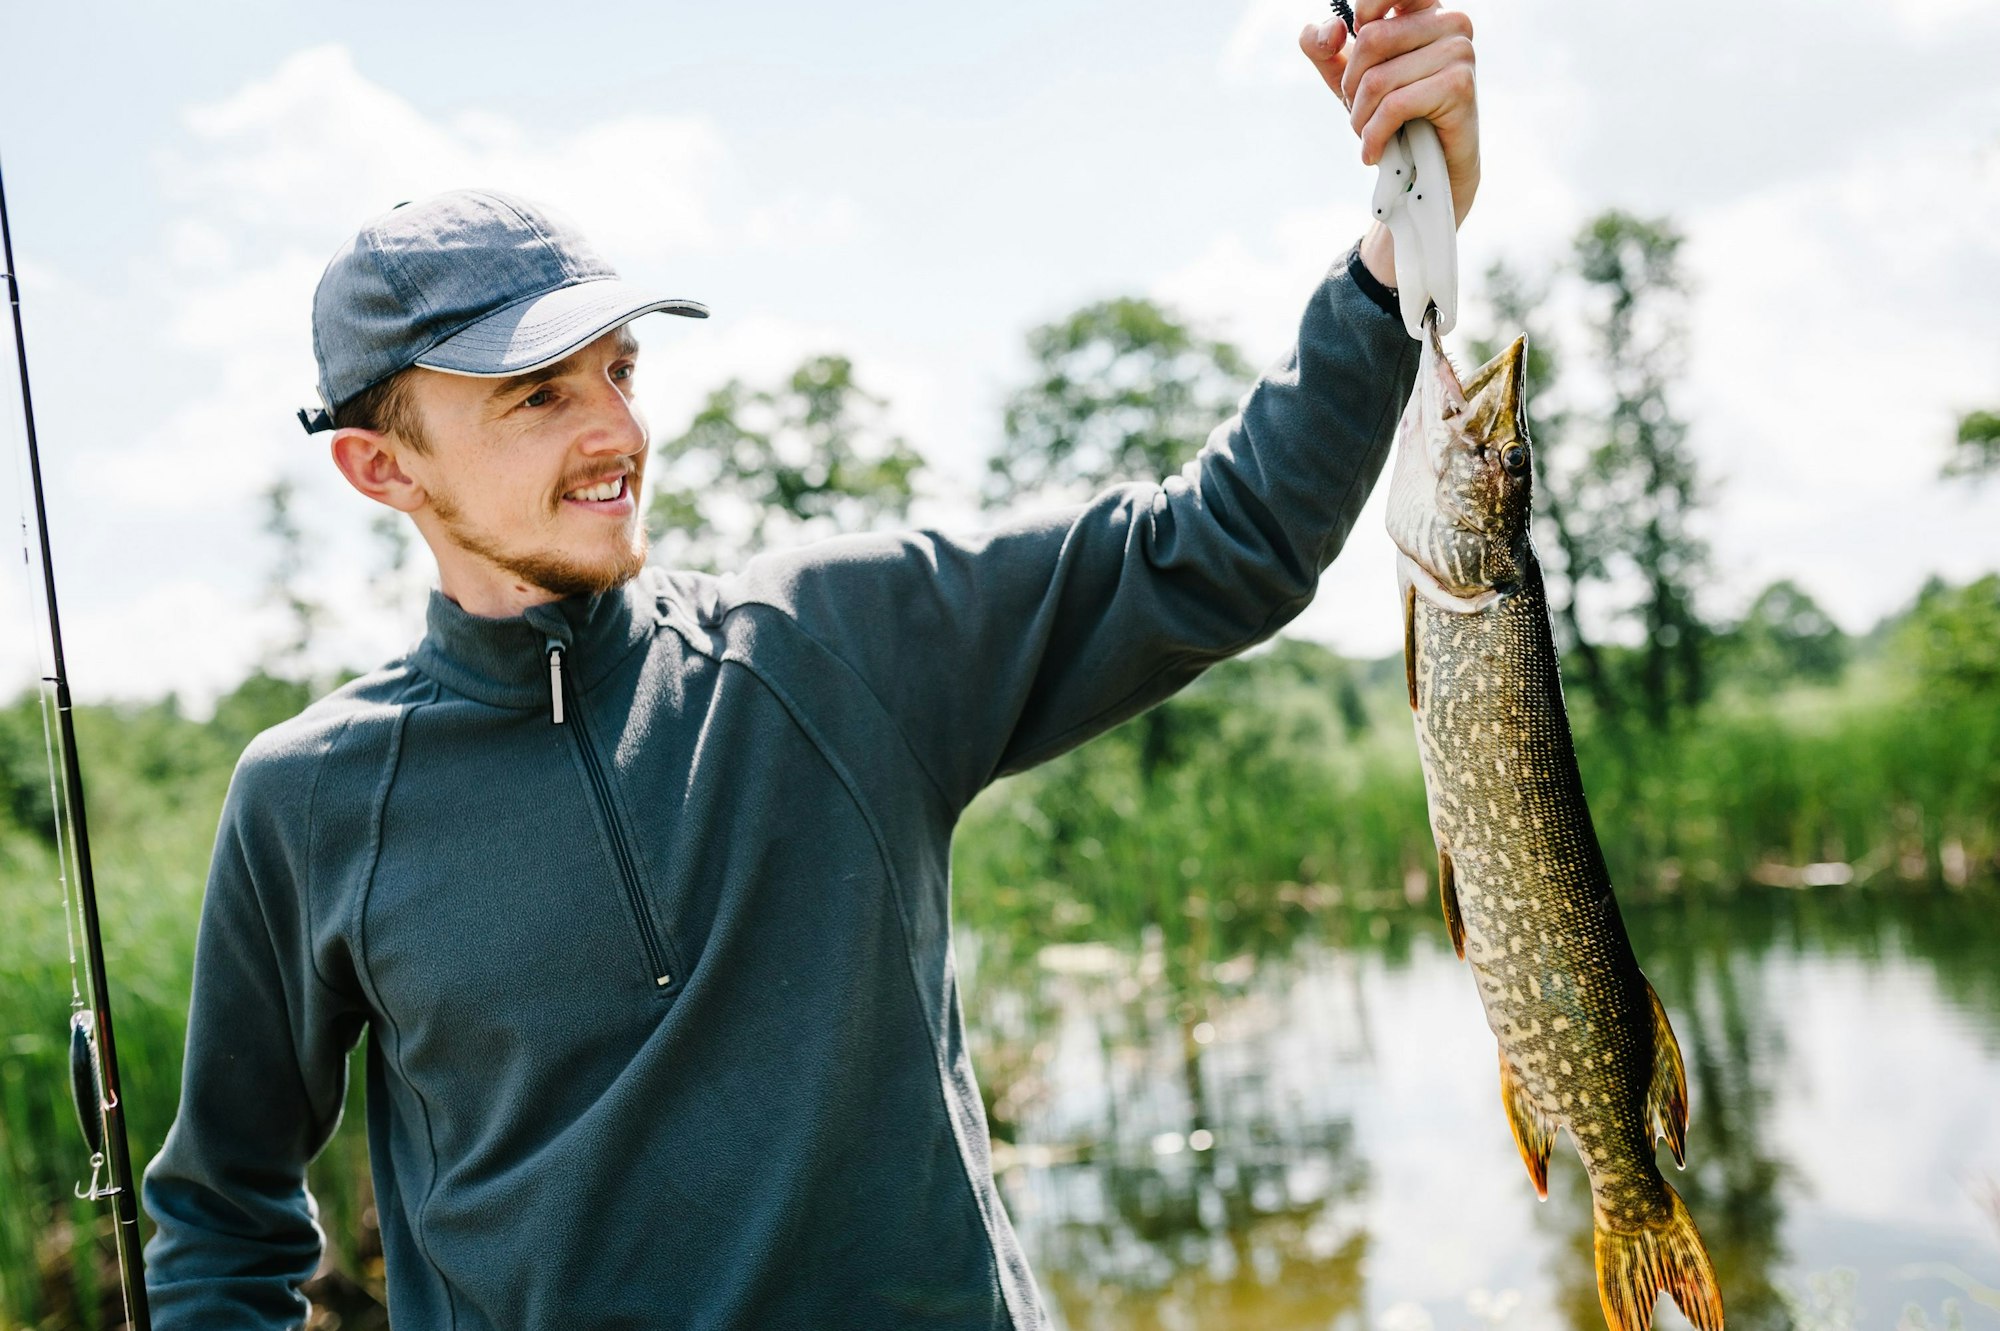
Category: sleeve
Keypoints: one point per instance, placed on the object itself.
(999, 651)
(263, 1081)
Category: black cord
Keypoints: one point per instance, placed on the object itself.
(1346, 12)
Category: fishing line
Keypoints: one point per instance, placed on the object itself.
(70, 907)
(93, 1059)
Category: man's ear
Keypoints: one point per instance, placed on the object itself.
(372, 463)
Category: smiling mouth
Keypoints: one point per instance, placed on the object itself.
(600, 492)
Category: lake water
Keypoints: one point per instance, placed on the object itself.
(1308, 1133)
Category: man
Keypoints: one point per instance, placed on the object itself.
(640, 882)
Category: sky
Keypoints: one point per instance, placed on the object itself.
(916, 186)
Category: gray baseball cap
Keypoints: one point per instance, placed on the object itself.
(472, 282)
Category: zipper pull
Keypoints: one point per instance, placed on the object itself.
(555, 682)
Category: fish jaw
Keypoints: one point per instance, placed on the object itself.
(1459, 494)
(1423, 437)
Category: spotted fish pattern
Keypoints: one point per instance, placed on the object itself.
(1584, 1044)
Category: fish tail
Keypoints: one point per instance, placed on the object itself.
(1634, 1266)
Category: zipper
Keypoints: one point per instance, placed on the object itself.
(600, 787)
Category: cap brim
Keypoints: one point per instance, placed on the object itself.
(543, 329)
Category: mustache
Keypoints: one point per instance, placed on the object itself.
(629, 469)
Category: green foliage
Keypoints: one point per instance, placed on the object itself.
(154, 779)
(284, 588)
(1950, 640)
(1120, 390)
(1283, 794)
(773, 466)
(1977, 453)
(254, 706)
(26, 802)
(1617, 485)
(1784, 637)
(1569, 560)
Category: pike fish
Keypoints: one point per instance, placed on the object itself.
(1584, 1042)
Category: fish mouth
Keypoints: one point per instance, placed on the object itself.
(1423, 437)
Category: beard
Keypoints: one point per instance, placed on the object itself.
(557, 572)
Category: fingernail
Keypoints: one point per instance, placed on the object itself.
(1326, 33)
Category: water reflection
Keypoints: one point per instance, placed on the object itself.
(1296, 1123)
(1167, 1177)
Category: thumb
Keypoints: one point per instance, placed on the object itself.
(1325, 44)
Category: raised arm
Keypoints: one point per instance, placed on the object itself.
(997, 651)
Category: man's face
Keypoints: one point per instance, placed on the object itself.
(538, 475)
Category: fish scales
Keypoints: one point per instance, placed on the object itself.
(1561, 985)
(1584, 1045)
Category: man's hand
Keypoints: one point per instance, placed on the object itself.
(1409, 60)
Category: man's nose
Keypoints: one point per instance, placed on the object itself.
(615, 425)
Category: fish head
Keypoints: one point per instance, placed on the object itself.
(1462, 491)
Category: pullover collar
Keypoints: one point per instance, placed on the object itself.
(505, 662)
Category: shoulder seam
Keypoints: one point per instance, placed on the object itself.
(894, 722)
(311, 875)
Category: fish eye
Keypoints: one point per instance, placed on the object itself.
(1515, 459)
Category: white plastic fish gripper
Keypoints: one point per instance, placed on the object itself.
(1413, 199)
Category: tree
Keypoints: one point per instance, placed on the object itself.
(1978, 452)
(1785, 635)
(290, 657)
(762, 467)
(1120, 390)
(1950, 640)
(1569, 559)
(1617, 485)
(1642, 484)
(392, 579)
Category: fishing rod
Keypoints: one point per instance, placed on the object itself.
(100, 1107)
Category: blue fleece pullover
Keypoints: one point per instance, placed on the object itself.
(664, 1025)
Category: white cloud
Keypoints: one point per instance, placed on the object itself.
(1263, 46)
(1834, 347)
(316, 146)
(264, 184)
(1253, 291)
(191, 647)
(1839, 325)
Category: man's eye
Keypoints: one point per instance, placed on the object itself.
(539, 398)
(623, 372)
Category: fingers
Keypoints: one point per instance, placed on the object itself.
(1376, 84)
(1367, 11)
(1397, 35)
(1325, 45)
(1414, 63)
(1444, 99)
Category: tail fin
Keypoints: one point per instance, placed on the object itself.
(1632, 1268)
